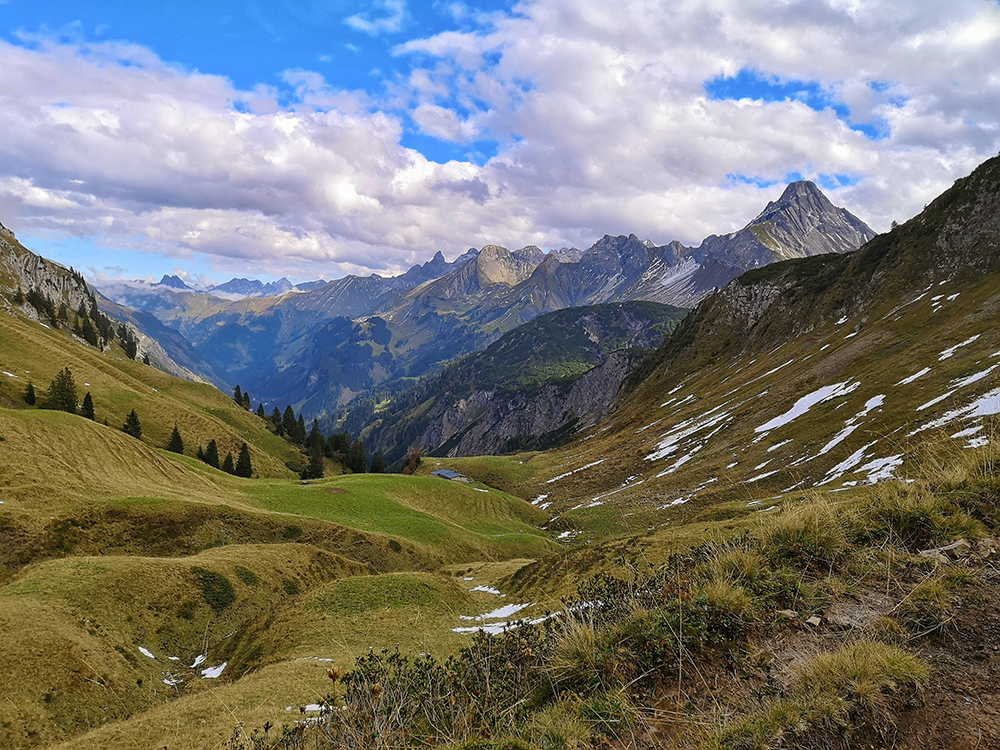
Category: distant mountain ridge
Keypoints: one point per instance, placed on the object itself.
(536, 385)
(282, 346)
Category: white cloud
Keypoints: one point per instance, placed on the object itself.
(601, 113)
(385, 17)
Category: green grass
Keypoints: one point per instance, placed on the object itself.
(118, 385)
(355, 596)
(452, 518)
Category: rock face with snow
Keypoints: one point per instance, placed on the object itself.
(817, 373)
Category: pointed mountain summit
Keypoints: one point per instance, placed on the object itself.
(804, 222)
(813, 375)
(174, 282)
(252, 287)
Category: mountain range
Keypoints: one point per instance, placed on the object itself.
(817, 374)
(319, 349)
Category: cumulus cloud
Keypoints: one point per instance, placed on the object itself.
(601, 113)
(616, 129)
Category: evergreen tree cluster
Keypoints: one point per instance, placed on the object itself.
(87, 321)
(62, 396)
(240, 467)
(242, 398)
(316, 446)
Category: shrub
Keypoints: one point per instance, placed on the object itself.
(216, 589)
(246, 575)
(809, 535)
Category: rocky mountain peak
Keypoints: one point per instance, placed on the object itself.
(803, 221)
(498, 265)
(174, 282)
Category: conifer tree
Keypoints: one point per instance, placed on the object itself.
(316, 467)
(200, 454)
(338, 442)
(357, 457)
(62, 392)
(246, 401)
(29, 394)
(260, 411)
(238, 394)
(378, 464)
(243, 466)
(212, 454)
(132, 426)
(176, 442)
(19, 297)
(229, 466)
(276, 417)
(145, 358)
(87, 407)
(300, 430)
(288, 421)
(315, 438)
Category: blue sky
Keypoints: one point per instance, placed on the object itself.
(349, 42)
(314, 138)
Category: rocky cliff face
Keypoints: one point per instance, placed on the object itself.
(492, 422)
(22, 269)
(30, 271)
(804, 222)
(534, 386)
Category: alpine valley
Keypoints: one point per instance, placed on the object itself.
(744, 495)
(343, 343)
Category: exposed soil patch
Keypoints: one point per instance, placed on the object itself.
(961, 707)
(958, 710)
(335, 491)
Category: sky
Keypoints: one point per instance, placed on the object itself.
(316, 138)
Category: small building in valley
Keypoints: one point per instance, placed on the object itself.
(451, 476)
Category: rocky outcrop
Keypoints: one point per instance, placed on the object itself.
(490, 422)
(34, 272)
(64, 286)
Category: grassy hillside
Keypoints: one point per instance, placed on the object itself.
(127, 570)
(32, 353)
